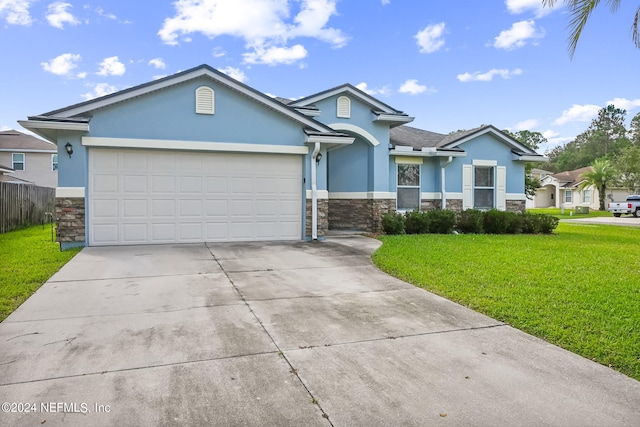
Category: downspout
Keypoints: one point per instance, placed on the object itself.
(314, 192)
(443, 180)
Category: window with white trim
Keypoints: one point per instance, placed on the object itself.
(484, 187)
(568, 196)
(586, 196)
(205, 100)
(344, 107)
(408, 188)
(54, 162)
(17, 161)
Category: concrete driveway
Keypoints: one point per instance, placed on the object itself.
(282, 334)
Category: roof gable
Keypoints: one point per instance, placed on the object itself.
(375, 104)
(77, 111)
(458, 138)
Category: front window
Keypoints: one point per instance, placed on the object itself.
(17, 161)
(586, 196)
(408, 187)
(54, 162)
(483, 188)
(568, 196)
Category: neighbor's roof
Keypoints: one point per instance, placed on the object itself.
(572, 178)
(12, 140)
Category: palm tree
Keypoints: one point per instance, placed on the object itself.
(580, 10)
(601, 176)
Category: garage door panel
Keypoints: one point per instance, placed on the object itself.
(163, 184)
(163, 208)
(105, 208)
(148, 196)
(133, 233)
(191, 208)
(136, 208)
(105, 183)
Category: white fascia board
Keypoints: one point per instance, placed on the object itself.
(322, 194)
(153, 87)
(427, 153)
(21, 150)
(393, 118)
(516, 196)
(6, 170)
(193, 145)
(367, 100)
(409, 160)
(361, 195)
(76, 192)
(44, 124)
(527, 158)
(338, 140)
(310, 113)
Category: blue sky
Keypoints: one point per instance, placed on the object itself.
(451, 64)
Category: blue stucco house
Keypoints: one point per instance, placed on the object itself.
(200, 157)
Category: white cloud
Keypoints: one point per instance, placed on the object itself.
(550, 134)
(578, 113)
(385, 90)
(58, 15)
(15, 12)
(158, 63)
(100, 89)
(234, 73)
(518, 35)
(100, 11)
(517, 7)
(266, 26)
(624, 103)
(412, 87)
(431, 39)
(526, 125)
(489, 75)
(62, 65)
(385, 2)
(275, 55)
(218, 52)
(4, 127)
(111, 67)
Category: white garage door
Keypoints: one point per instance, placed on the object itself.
(152, 196)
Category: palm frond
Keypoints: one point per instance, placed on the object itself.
(636, 29)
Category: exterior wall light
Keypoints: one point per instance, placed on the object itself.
(69, 148)
(318, 158)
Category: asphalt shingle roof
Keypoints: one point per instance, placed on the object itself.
(14, 140)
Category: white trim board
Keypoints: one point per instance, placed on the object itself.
(516, 196)
(322, 194)
(361, 195)
(357, 130)
(70, 192)
(193, 145)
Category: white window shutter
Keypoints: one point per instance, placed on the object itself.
(344, 107)
(501, 188)
(205, 100)
(467, 187)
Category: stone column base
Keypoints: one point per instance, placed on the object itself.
(70, 215)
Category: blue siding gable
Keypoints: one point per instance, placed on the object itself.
(170, 114)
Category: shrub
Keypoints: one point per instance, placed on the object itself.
(470, 221)
(441, 221)
(496, 222)
(514, 222)
(393, 223)
(416, 222)
(547, 223)
(530, 223)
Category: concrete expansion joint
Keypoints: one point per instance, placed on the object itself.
(292, 369)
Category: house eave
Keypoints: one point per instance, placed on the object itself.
(530, 158)
(393, 119)
(437, 153)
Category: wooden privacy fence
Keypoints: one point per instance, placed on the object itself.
(22, 205)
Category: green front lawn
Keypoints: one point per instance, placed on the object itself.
(569, 213)
(578, 288)
(27, 259)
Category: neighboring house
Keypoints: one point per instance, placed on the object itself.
(5, 176)
(31, 159)
(538, 174)
(564, 190)
(198, 156)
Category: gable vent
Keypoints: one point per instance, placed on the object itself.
(344, 107)
(204, 100)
